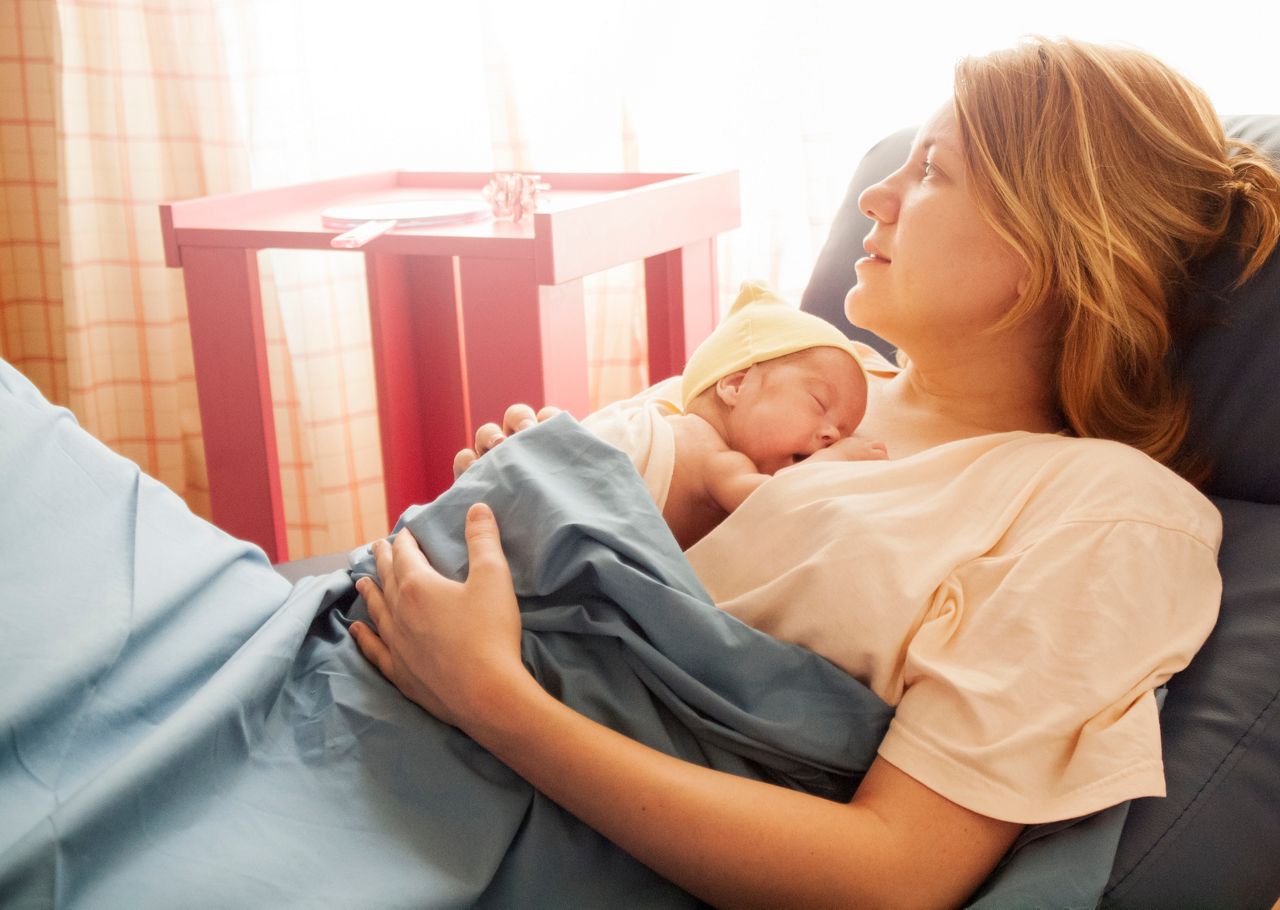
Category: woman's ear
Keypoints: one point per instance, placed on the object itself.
(729, 387)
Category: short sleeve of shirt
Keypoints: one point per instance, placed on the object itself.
(1028, 685)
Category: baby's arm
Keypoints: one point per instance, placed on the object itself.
(731, 477)
(850, 448)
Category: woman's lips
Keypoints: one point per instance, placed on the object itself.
(873, 253)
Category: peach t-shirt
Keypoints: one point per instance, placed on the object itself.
(1017, 596)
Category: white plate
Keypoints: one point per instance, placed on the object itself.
(405, 213)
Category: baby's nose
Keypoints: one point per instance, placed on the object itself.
(828, 435)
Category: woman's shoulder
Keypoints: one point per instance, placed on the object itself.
(1087, 479)
(1105, 459)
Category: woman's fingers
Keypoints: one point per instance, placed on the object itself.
(398, 561)
(447, 645)
(372, 647)
(488, 435)
(369, 642)
(384, 559)
(463, 460)
(489, 596)
(379, 653)
(518, 417)
(484, 546)
(407, 558)
(373, 599)
(521, 417)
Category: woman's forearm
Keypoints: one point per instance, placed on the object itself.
(454, 648)
(738, 842)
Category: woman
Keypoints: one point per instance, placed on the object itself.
(1028, 567)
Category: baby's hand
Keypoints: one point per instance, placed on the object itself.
(851, 448)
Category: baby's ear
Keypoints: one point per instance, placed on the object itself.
(729, 387)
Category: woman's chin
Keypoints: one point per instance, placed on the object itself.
(854, 305)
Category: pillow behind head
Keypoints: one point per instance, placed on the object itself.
(1233, 365)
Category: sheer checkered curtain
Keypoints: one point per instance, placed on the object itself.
(110, 107)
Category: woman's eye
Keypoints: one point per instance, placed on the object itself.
(928, 168)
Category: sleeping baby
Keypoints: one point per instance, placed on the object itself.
(770, 387)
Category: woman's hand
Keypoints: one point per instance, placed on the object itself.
(517, 417)
(452, 647)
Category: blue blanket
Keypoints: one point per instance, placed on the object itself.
(181, 727)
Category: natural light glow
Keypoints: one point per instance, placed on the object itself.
(789, 93)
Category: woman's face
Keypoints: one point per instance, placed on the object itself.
(936, 273)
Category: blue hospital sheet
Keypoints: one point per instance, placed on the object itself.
(180, 727)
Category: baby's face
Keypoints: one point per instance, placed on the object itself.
(791, 407)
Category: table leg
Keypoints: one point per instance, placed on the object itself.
(524, 342)
(413, 316)
(233, 383)
(681, 305)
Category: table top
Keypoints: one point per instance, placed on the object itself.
(584, 223)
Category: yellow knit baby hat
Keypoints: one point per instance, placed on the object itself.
(758, 327)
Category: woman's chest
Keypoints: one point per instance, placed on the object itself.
(849, 560)
(906, 430)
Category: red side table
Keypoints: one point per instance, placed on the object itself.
(466, 318)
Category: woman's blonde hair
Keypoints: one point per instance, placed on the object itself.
(1110, 174)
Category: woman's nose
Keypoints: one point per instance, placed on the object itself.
(879, 202)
